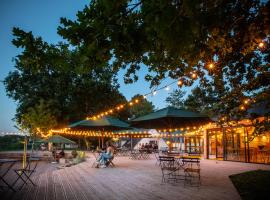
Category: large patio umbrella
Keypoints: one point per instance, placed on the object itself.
(102, 124)
(170, 118)
(58, 139)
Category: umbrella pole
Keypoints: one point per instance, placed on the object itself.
(102, 140)
(131, 143)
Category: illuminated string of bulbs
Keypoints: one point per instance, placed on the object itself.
(123, 135)
(130, 103)
(193, 75)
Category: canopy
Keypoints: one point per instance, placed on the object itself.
(58, 139)
(105, 123)
(170, 117)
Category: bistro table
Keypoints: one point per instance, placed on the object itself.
(9, 163)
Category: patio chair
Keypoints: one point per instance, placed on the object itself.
(110, 162)
(25, 174)
(192, 171)
(168, 169)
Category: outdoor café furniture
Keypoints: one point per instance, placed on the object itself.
(192, 170)
(168, 169)
(9, 164)
(25, 174)
(140, 154)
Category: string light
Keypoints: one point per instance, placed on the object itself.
(194, 75)
(211, 66)
(261, 44)
(242, 107)
(246, 101)
(180, 83)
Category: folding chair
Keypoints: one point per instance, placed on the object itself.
(110, 162)
(168, 169)
(192, 172)
(24, 174)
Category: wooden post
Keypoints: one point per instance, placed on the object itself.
(224, 142)
(207, 144)
(131, 145)
(102, 140)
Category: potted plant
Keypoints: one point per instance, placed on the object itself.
(74, 153)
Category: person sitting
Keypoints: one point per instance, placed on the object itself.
(61, 154)
(105, 157)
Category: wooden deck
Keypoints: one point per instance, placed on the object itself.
(130, 179)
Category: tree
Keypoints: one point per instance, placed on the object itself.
(38, 120)
(142, 108)
(224, 44)
(176, 98)
(201, 101)
(57, 74)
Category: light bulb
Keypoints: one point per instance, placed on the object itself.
(261, 44)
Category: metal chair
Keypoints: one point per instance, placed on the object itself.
(110, 162)
(168, 169)
(192, 171)
(24, 174)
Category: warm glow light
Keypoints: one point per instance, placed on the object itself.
(211, 66)
(261, 44)
(246, 101)
(194, 75)
(121, 106)
(136, 101)
(180, 83)
(111, 111)
(130, 103)
(242, 107)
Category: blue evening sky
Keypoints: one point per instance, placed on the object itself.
(42, 18)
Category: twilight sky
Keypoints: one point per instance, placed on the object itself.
(42, 18)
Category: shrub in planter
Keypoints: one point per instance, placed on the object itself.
(74, 153)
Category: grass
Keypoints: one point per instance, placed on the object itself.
(253, 184)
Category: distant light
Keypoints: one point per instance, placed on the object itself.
(242, 107)
(246, 101)
(211, 66)
(194, 75)
(261, 44)
(155, 92)
(180, 83)
(167, 88)
(136, 101)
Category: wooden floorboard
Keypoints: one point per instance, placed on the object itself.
(129, 180)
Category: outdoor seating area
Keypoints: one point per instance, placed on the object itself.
(132, 179)
(130, 100)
